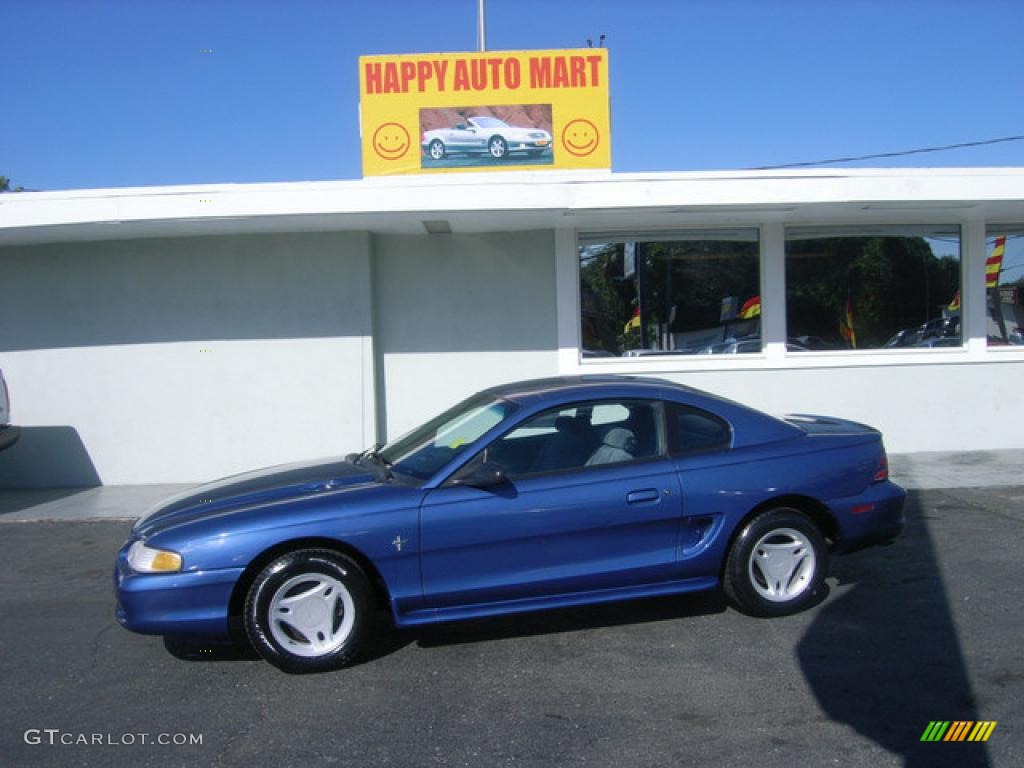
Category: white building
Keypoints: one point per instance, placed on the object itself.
(176, 334)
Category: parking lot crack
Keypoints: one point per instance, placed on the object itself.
(96, 644)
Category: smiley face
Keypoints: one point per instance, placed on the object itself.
(580, 137)
(391, 141)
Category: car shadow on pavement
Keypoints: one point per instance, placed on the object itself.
(884, 657)
(388, 639)
(201, 649)
(560, 620)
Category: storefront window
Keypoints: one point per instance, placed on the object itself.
(687, 293)
(1004, 285)
(872, 287)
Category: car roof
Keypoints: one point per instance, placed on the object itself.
(752, 426)
(585, 385)
(561, 389)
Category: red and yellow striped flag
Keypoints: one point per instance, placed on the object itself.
(994, 263)
(751, 308)
(634, 320)
(846, 325)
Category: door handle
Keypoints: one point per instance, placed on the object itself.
(647, 494)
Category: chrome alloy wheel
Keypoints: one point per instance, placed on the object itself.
(311, 614)
(782, 565)
(497, 147)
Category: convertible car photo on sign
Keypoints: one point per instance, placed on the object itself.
(541, 494)
(487, 137)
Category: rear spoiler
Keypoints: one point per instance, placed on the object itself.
(827, 425)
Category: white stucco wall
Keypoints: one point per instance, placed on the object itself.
(948, 407)
(181, 360)
(458, 313)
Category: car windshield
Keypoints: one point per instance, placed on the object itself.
(488, 122)
(426, 449)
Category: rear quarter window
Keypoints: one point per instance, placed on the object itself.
(691, 430)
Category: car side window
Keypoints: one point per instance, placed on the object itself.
(578, 436)
(691, 430)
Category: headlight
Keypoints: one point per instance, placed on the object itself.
(149, 560)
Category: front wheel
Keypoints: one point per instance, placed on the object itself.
(309, 611)
(436, 150)
(777, 565)
(498, 147)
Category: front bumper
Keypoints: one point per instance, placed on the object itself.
(185, 603)
(874, 517)
(531, 145)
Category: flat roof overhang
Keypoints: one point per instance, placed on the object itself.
(516, 201)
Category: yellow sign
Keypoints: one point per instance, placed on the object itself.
(497, 110)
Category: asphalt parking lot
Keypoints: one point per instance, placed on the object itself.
(927, 629)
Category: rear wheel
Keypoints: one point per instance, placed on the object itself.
(777, 565)
(309, 611)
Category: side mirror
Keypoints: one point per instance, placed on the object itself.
(460, 126)
(484, 475)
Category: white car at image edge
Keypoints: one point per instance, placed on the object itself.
(8, 434)
(484, 136)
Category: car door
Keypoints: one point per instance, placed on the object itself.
(463, 137)
(600, 511)
(712, 487)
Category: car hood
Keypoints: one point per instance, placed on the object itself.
(250, 489)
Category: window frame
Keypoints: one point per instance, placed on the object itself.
(672, 435)
(802, 232)
(743, 233)
(434, 424)
(774, 356)
(658, 405)
(1014, 229)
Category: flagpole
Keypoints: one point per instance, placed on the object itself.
(481, 27)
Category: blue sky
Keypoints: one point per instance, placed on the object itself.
(104, 93)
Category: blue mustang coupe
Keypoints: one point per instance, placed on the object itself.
(541, 494)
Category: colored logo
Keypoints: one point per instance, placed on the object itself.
(580, 137)
(959, 730)
(391, 141)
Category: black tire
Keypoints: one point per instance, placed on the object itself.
(760, 579)
(497, 147)
(291, 587)
(436, 150)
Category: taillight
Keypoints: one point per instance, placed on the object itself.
(882, 470)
